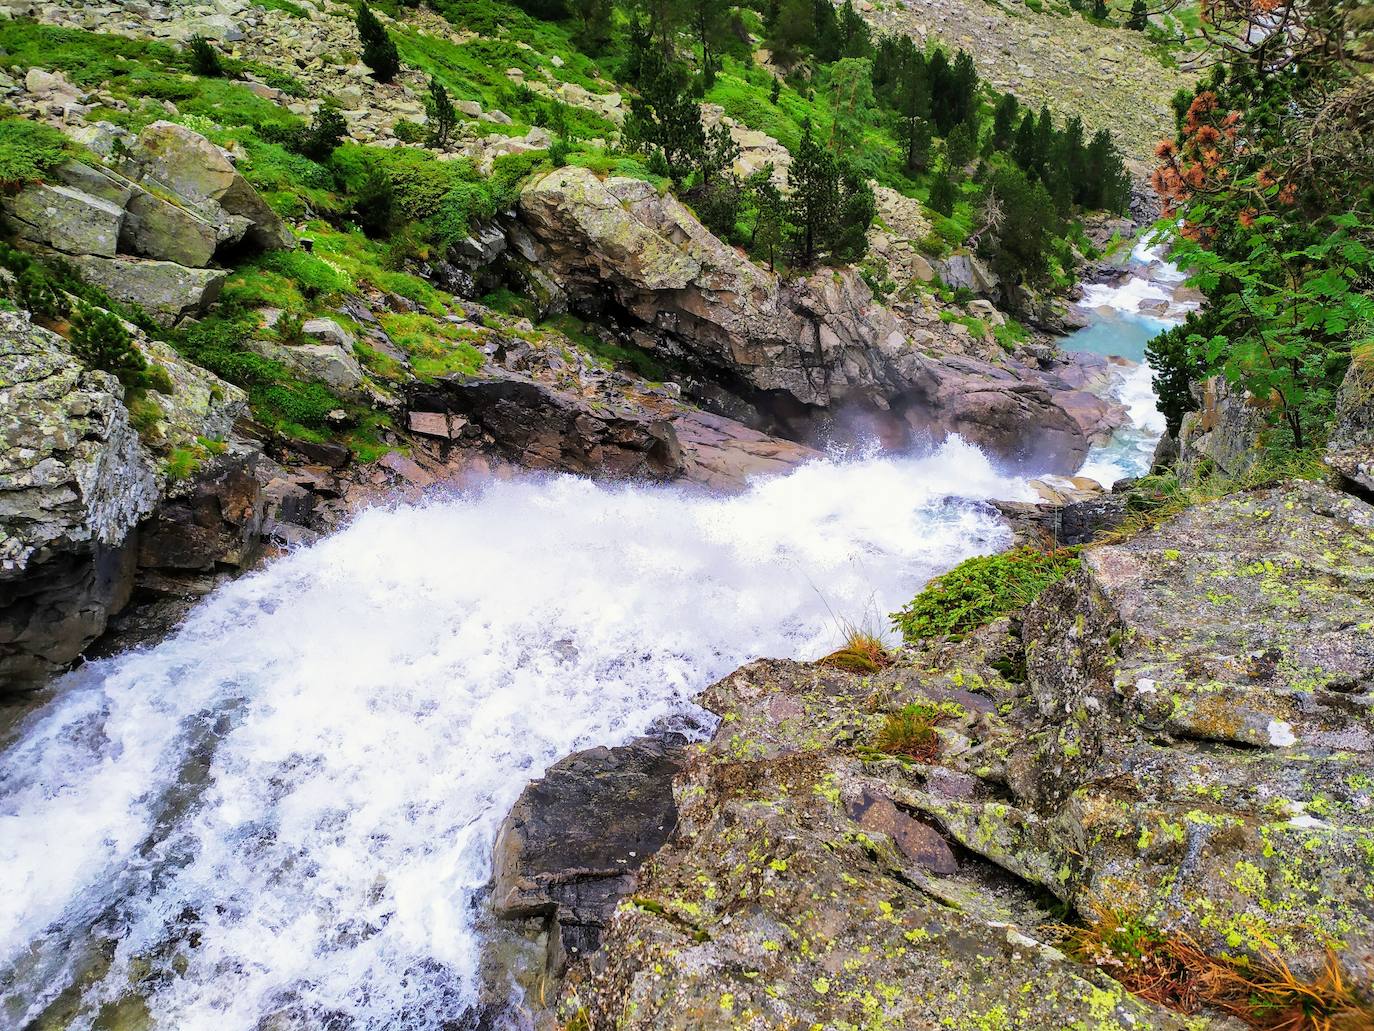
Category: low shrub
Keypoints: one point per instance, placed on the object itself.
(100, 340)
(981, 589)
(205, 59)
(29, 151)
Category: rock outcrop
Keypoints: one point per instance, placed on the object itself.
(1351, 449)
(147, 227)
(1178, 733)
(1223, 434)
(76, 479)
(541, 428)
(799, 350)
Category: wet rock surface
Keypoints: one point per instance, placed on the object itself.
(1179, 731)
(572, 846)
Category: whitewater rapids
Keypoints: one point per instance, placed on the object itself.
(280, 816)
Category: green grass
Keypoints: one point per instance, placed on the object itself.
(29, 151)
(981, 589)
(295, 10)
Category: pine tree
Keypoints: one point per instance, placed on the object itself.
(916, 136)
(442, 116)
(1100, 10)
(1004, 122)
(793, 31)
(204, 58)
(960, 146)
(770, 215)
(709, 20)
(1023, 146)
(1140, 16)
(855, 214)
(666, 117)
(963, 89)
(943, 193)
(815, 201)
(940, 77)
(594, 24)
(855, 38)
(851, 98)
(326, 131)
(826, 42)
(638, 45)
(1044, 139)
(775, 91)
(100, 340)
(1019, 252)
(379, 51)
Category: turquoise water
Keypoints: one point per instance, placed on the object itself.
(1118, 333)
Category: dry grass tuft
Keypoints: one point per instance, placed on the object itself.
(1174, 972)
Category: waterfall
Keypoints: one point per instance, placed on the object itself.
(279, 817)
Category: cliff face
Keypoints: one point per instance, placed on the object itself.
(1178, 733)
(806, 353)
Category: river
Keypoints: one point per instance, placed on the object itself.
(281, 817)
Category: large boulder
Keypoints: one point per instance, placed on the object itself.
(76, 482)
(798, 348)
(1351, 449)
(179, 160)
(571, 847)
(165, 290)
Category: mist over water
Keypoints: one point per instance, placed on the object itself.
(279, 816)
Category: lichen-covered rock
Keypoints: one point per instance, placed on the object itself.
(1351, 450)
(1223, 434)
(1196, 744)
(74, 480)
(1180, 732)
(182, 161)
(798, 893)
(65, 219)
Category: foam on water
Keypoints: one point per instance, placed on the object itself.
(296, 795)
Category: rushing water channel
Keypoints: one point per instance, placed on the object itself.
(280, 817)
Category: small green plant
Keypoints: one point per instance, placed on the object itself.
(289, 328)
(410, 132)
(205, 59)
(863, 652)
(100, 340)
(910, 731)
(144, 412)
(981, 589)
